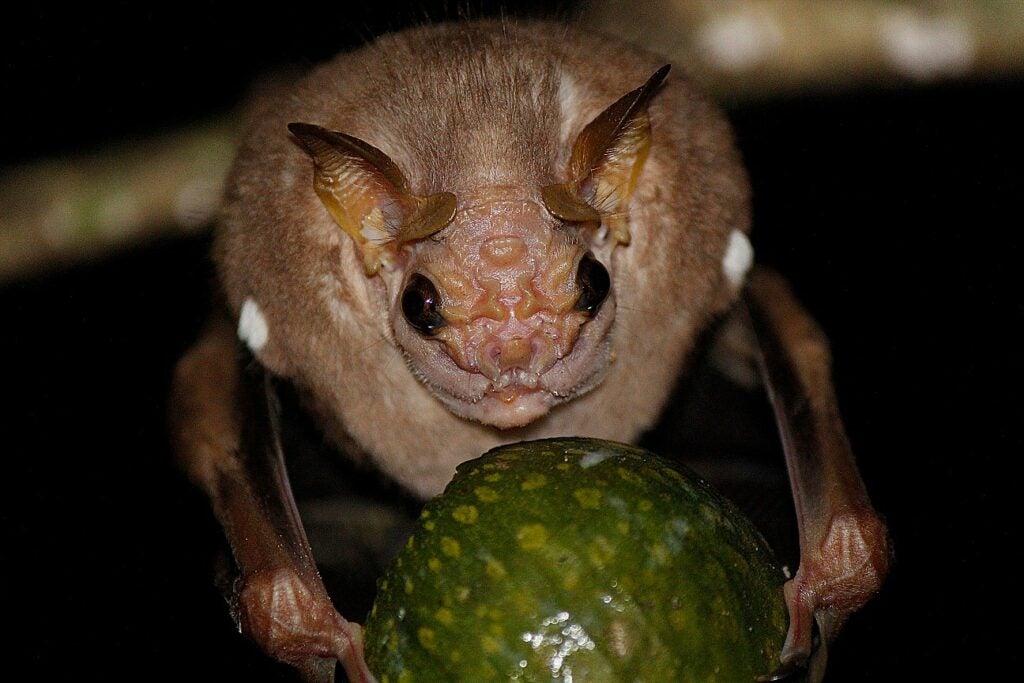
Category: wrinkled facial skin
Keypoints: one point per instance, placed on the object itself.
(513, 343)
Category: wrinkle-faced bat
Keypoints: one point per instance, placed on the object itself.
(475, 233)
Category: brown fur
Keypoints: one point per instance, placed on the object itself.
(458, 107)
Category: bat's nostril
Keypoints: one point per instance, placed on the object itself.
(487, 360)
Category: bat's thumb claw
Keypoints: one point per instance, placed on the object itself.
(805, 653)
(793, 670)
(349, 651)
(801, 599)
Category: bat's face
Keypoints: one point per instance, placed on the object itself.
(500, 295)
(464, 229)
(506, 312)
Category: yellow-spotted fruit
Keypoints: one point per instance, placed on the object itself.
(578, 561)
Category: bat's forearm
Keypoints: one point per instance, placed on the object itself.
(844, 546)
(225, 424)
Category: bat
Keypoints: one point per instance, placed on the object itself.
(469, 234)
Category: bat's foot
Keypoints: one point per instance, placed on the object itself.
(300, 627)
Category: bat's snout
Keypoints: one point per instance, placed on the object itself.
(519, 360)
(511, 297)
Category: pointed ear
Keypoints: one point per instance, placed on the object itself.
(606, 161)
(367, 195)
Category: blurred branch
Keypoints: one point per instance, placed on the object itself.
(62, 211)
(65, 210)
(757, 48)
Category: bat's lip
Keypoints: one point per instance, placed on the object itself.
(501, 405)
(517, 397)
(525, 399)
(513, 406)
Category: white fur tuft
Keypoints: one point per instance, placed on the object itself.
(739, 256)
(252, 326)
(569, 102)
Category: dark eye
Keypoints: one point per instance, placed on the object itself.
(594, 284)
(419, 305)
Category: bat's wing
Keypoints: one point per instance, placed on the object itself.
(226, 423)
(844, 545)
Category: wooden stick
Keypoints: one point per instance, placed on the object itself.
(757, 48)
(62, 211)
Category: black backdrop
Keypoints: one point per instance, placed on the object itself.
(892, 210)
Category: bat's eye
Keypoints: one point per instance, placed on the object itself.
(593, 282)
(419, 305)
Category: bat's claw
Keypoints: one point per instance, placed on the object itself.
(792, 671)
(801, 667)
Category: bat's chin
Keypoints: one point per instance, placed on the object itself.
(511, 407)
(505, 408)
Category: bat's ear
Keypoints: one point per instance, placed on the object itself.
(606, 161)
(367, 195)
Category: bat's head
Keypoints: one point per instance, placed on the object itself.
(499, 293)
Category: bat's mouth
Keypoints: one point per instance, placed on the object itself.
(517, 396)
(515, 381)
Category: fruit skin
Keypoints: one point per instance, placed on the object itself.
(578, 560)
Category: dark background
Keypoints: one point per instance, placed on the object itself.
(894, 212)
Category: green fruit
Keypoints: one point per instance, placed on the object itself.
(578, 560)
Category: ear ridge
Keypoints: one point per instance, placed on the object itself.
(563, 201)
(431, 214)
(599, 137)
(367, 195)
(606, 161)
